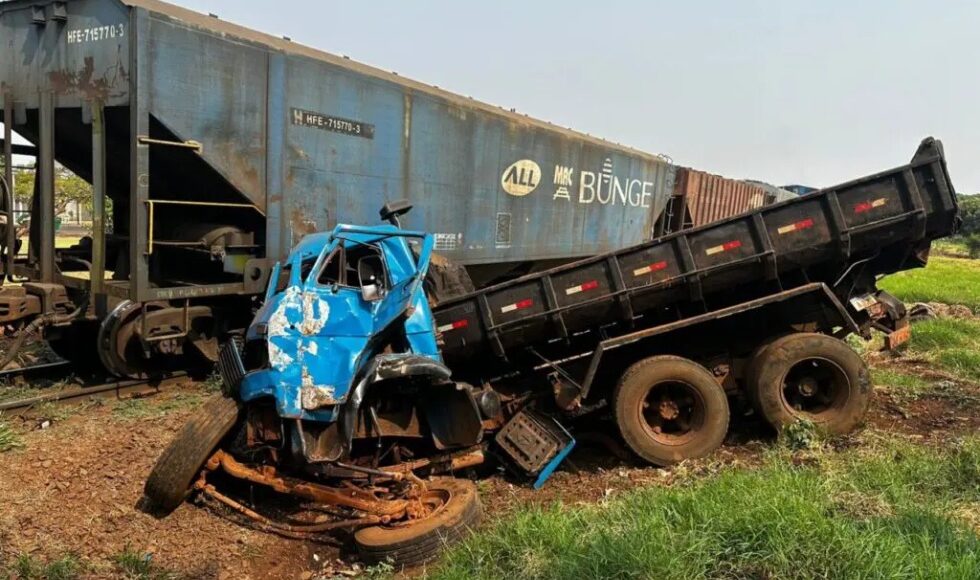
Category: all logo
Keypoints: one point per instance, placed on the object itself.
(602, 187)
(521, 178)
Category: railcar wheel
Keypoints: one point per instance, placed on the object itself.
(455, 511)
(810, 376)
(121, 350)
(669, 409)
(170, 480)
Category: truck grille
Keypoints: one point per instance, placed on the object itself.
(230, 364)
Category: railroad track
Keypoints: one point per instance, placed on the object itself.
(36, 371)
(120, 389)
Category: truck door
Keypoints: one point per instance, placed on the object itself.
(332, 330)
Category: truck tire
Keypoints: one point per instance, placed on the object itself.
(751, 368)
(418, 542)
(810, 376)
(170, 481)
(669, 409)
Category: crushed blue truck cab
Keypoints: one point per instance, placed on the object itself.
(318, 324)
(347, 313)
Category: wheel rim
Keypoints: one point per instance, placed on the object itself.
(816, 388)
(672, 412)
(433, 501)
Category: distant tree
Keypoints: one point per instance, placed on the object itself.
(68, 188)
(970, 213)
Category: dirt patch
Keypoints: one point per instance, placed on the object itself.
(76, 486)
(925, 310)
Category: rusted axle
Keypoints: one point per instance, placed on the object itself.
(450, 462)
(353, 498)
(298, 531)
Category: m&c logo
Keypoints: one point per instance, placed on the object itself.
(521, 178)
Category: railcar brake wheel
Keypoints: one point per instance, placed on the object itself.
(669, 409)
(455, 510)
(170, 480)
(810, 376)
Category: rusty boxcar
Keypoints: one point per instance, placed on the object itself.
(701, 198)
(219, 147)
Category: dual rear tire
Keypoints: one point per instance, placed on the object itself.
(813, 377)
(669, 408)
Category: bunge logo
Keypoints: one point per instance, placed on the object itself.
(601, 187)
(521, 178)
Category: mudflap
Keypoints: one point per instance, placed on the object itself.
(534, 445)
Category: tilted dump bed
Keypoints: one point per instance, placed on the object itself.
(882, 223)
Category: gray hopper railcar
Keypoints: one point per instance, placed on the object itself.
(219, 147)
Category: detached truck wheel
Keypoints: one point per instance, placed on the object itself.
(810, 376)
(669, 409)
(455, 511)
(175, 470)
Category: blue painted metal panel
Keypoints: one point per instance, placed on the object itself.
(81, 58)
(207, 89)
(318, 335)
(453, 162)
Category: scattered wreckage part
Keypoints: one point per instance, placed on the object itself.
(230, 364)
(351, 497)
(535, 443)
(170, 480)
(117, 389)
(452, 415)
(811, 376)
(444, 463)
(669, 409)
(394, 475)
(295, 531)
(568, 396)
(415, 542)
(381, 368)
(488, 401)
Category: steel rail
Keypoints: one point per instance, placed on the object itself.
(117, 389)
(34, 370)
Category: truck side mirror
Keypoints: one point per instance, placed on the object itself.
(370, 293)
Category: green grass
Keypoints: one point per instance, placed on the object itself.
(946, 280)
(134, 565)
(897, 379)
(9, 439)
(951, 247)
(879, 512)
(25, 567)
(146, 408)
(952, 344)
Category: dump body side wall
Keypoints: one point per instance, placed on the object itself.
(882, 221)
